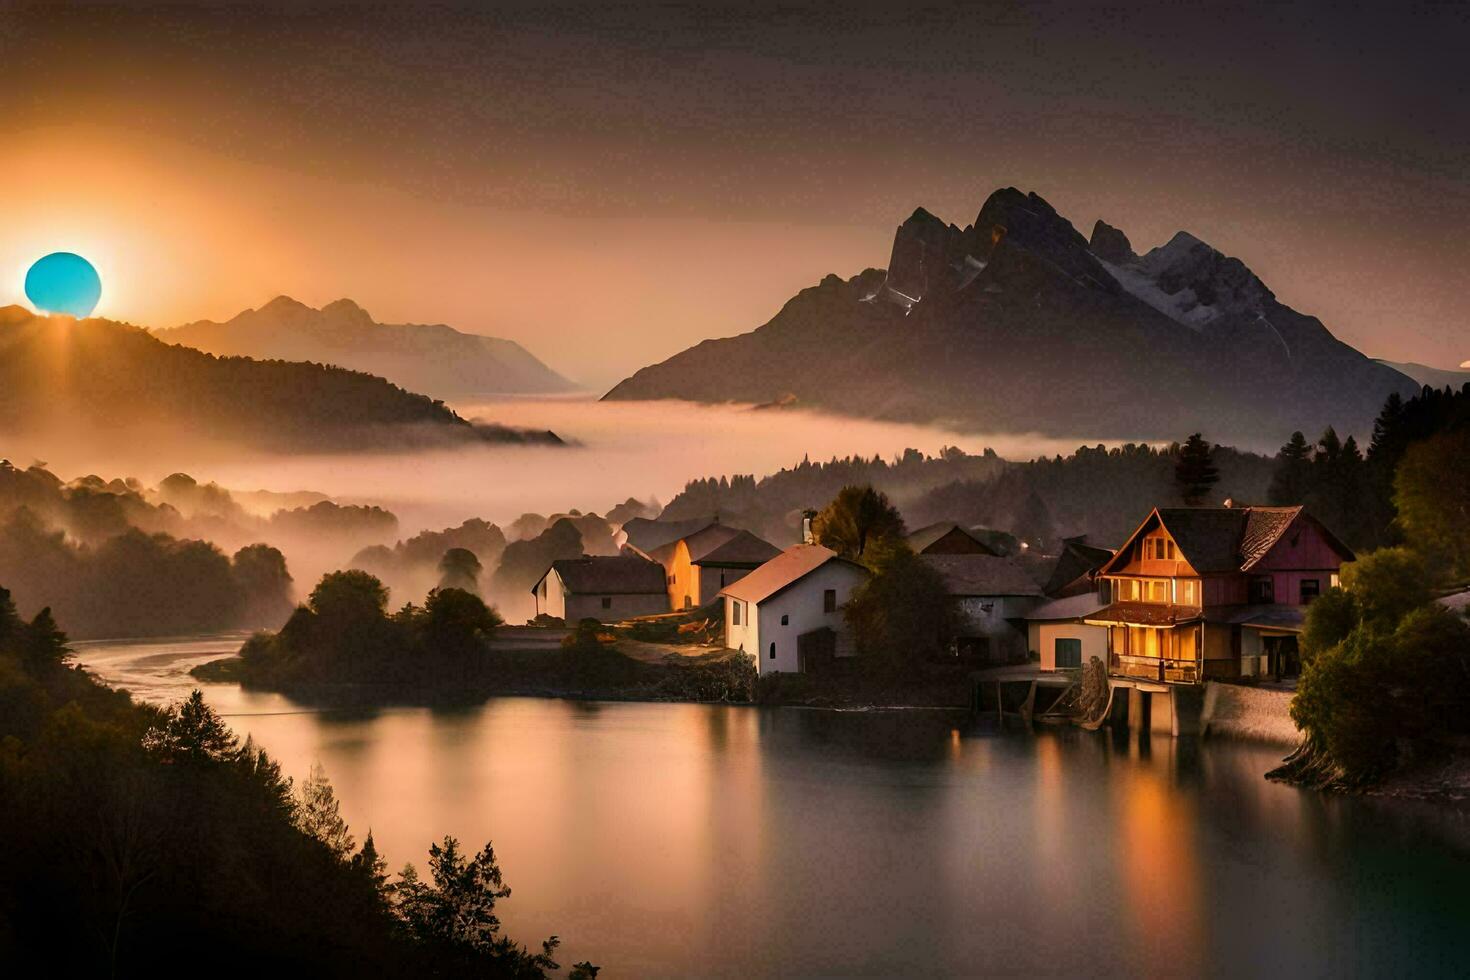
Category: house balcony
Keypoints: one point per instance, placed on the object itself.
(1160, 670)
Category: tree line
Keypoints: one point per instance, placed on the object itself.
(1386, 668)
(138, 836)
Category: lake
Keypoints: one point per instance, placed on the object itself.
(679, 839)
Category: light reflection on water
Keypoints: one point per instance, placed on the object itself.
(673, 839)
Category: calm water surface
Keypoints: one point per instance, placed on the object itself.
(701, 840)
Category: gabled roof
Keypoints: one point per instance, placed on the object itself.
(706, 539)
(647, 535)
(783, 571)
(608, 575)
(924, 537)
(1072, 607)
(984, 575)
(744, 550)
(1225, 539)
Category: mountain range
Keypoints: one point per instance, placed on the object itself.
(432, 358)
(1018, 323)
(101, 382)
(1432, 376)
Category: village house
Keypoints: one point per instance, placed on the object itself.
(1057, 630)
(1206, 593)
(993, 595)
(645, 536)
(602, 587)
(947, 538)
(698, 565)
(788, 612)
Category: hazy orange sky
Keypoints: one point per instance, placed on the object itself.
(610, 185)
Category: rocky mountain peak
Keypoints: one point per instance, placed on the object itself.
(1111, 245)
(923, 248)
(346, 309)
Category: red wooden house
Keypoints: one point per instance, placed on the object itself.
(1214, 592)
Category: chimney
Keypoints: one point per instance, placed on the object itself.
(806, 526)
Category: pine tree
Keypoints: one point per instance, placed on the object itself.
(1194, 471)
(192, 732)
(319, 814)
(370, 864)
(42, 641)
(1291, 481)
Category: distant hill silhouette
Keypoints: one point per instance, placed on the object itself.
(431, 358)
(102, 380)
(1432, 376)
(1018, 323)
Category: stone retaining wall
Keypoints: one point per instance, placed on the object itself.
(1258, 714)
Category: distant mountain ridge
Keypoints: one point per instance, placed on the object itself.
(433, 358)
(1017, 323)
(1432, 376)
(105, 381)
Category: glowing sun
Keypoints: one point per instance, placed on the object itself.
(64, 282)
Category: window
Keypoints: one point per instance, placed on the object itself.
(1159, 549)
(829, 601)
(773, 651)
(785, 620)
(734, 614)
(1311, 589)
(607, 602)
(1263, 590)
(722, 580)
(1068, 653)
(1186, 592)
(1158, 590)
(1335, 582)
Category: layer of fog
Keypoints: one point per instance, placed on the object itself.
(622, 450)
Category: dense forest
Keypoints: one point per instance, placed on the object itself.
(1097, 491)
(116, 558)
(1385, 687)
(97, 381)
(1100, 492)
(138, 837)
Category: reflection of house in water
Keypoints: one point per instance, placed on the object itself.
(1206, 593)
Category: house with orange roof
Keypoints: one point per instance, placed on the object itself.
(788, 613)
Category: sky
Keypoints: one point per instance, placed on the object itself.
(611, 183)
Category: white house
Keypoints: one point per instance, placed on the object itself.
(788, 612)
(603, 587)
(1058, 633)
